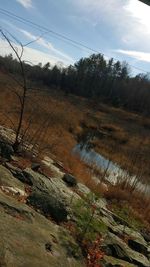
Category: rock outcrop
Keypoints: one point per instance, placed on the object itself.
(33, 205)
(49, 205)
(29, 239)
(70, 180)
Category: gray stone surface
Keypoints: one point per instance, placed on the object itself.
(27, 237)
(70, 180)
(24, 234)
(83, 189)
(53, 186)
(49, 205)
(117, 248)
(7, 179)
(6, 150)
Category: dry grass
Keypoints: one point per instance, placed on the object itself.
(135, 203)
(63, 118)
(56, 120)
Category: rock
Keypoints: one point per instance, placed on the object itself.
(73, 250)
(135, 239)
(117, 248)
(48, 247)
(13, 190)
(148, 250)
(119, 220)
(22, 177)
(146, 235)
(101, 203)
(7, 134)
(6, 150)
(107, 218)
(136, 245)
(15, 209)
(109, 261)
(7, 179)
(70, 180)
(83, 189)
(51, 164)
(19, 174)
(47, 161)
(26, 237)
(49, 205)
(25, 177)
(14, 158)
(52, 186)
(35, 166)
(41, 198)
(36, 179)
(12, 168)
(9, 184)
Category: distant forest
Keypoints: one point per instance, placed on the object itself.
(92, 77)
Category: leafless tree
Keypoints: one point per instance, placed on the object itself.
(21, 97)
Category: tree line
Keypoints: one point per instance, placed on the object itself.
(92, 77)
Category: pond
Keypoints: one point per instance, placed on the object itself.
(114, 172)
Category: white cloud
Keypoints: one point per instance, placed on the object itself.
(48, 45)
(25, 3)
(31, 55)
(126, 22)
(97, 8)
(141, 56)
(116, 8)
(141, 12)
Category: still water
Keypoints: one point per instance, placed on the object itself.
(114, 172)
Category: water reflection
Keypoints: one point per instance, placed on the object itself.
(114, 172)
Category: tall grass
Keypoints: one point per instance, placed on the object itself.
(53, 122)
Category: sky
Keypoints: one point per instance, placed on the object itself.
(116, 28)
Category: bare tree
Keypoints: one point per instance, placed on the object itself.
(21, 97)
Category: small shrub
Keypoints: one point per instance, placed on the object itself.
(88, 225)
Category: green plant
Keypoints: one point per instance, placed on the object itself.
(72, 248)
(126, 214)
(88, 224)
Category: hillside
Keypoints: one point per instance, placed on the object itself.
(83, 222)
(48, 218)
(121, 136)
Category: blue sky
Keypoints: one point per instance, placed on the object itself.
(117, 28)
